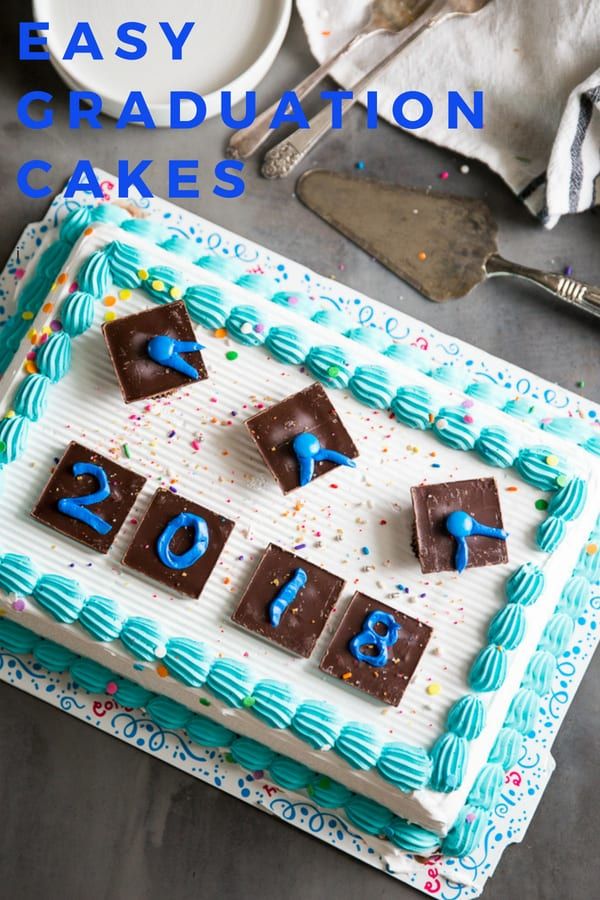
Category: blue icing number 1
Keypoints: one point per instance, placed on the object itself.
(197, 550)
(75, 507)
(368, 637)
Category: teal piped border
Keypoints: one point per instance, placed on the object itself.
(537, 465)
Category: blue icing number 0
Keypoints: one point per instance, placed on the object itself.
(75, 507)
(368, 637)
(197, 550)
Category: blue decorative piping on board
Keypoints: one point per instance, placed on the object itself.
(453, 425)
(366, 814)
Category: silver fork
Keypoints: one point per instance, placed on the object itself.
(285, 156)
(385, 17)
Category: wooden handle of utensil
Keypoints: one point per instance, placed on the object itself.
(576, 293)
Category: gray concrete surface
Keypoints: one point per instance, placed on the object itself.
(86, 816)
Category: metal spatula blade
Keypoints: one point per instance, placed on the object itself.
(440, 244)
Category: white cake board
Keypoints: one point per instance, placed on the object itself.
(449, 879)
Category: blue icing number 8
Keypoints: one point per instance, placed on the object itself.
(197, 550)
(75, 507)
(368, 637)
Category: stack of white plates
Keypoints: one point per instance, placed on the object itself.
(231, 48)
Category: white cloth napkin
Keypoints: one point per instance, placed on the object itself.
(536, 61)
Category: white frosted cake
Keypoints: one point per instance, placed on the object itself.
(312, 605)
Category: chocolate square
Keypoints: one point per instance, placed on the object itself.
(275, 428)
(124, 486)
(388, 682)
(433, 503)
(139, 377)
(304, 619)
(142, 554)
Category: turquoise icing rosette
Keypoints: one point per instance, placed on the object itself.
(540, 467)
(246, 325)
(496, 447)
(331, 318)
(225, 266)
(467, 717)
(489, 669)
(53, 358)
(316, 723)
(230, 681)
(297, 301)
(208, 305)
(449, 758)
(274, 703)
(18, 575)
(371, 337)
(90, 675)
(14, 434)
(187, 660)
(540, 671)
(287, 345)
(369, 816)
(53, 657)
(525, 584)
(568, 502)
(412, 406)
(145, 228)
(77, 313)
(60, 596)
(15, 638)
(487, 392)
(258, 283)
(453, 428)
(409, 355)
(31, 399)
(208, 733)
(520, 408)
(95, 276)
(550, 534)
(289, 774)
(328, 793)
(164, 284)
(101, 618)
(125, 264)
(371, 385)
(449, 375)
(407, 768)
(328, 363)
(143, 638)
(251, 755)
(359, 745)
(168, 714)
(181, 246)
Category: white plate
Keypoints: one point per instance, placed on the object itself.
(231, 48)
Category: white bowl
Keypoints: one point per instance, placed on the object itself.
(231, 48)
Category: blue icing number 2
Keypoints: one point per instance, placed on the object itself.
(75, 507)
(197, 550)
(368, 637)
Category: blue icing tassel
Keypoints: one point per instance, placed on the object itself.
(125, 264)
(168, 714)
(60, 596)
(17, 574)
(407, 768)
(207, 305)
(550, 534)
(188, 661)
(489, 669)
(31, 400)
(143, 638)
(285, 596)
(230, 269)
(467, 717)
(100, 616)
(371, 385)
(53, 358)
(568, 502)
(486, 786)
(507, 627)
(289, 774)
(488, 392)
(246, 325)
(540, 467)
(297, 301)
(208, 733)
(15, 638)
(259, 284)
(450, 375)
(316, 723)
(328, 793)
(308, 450)
(449, 757)
(130, 694)
(412, 838)
(251, 755)
(331, 318)
(95, 277)
(329, 365)
(230, 681)
(53, 657)
(525, 585)
(557, 634)
(451, 428)
(409, 355)
(287, 345)
(77, 313)
(75, 223)
(274, 703)
(367, 815)
(496, 447)
(467, 832)
(166, 351)
(412, 406)
(91, 676)
(359, 745)
(507, 748)
(540, 671)
(374, 338)
(462, 526)
(575, 596)
(14, 433)
(523, 711)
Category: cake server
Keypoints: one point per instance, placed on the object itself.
(441, 244)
